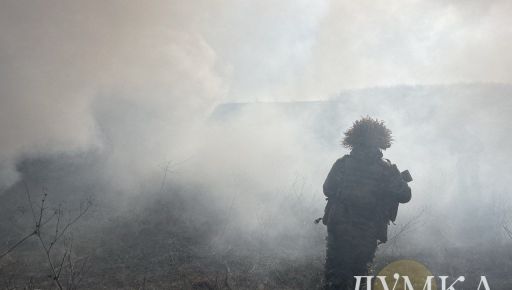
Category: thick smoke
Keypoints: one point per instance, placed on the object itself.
(458, 155)
(66, 64)
(138, 83)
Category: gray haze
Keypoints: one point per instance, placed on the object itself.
(138, 83)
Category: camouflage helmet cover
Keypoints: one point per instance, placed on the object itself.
(368, 132)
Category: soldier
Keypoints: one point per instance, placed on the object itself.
(363, 191)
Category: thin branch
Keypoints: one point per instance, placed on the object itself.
(39, 222)
(27, 192)
(81, 214)
(47, 251)
(41, 212)
(66, 253)
(17, 244)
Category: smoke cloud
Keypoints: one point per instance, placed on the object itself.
(139, 83)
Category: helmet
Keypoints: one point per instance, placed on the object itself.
(368, 133)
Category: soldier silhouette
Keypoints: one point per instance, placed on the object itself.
(363, 191)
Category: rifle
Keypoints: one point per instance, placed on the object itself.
(393, 211)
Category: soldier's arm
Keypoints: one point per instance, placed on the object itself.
(397, 186)
(333, 180)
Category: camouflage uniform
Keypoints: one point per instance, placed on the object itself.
(361, 189)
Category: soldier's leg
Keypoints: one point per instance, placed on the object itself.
(364, 254)
(339, 258)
